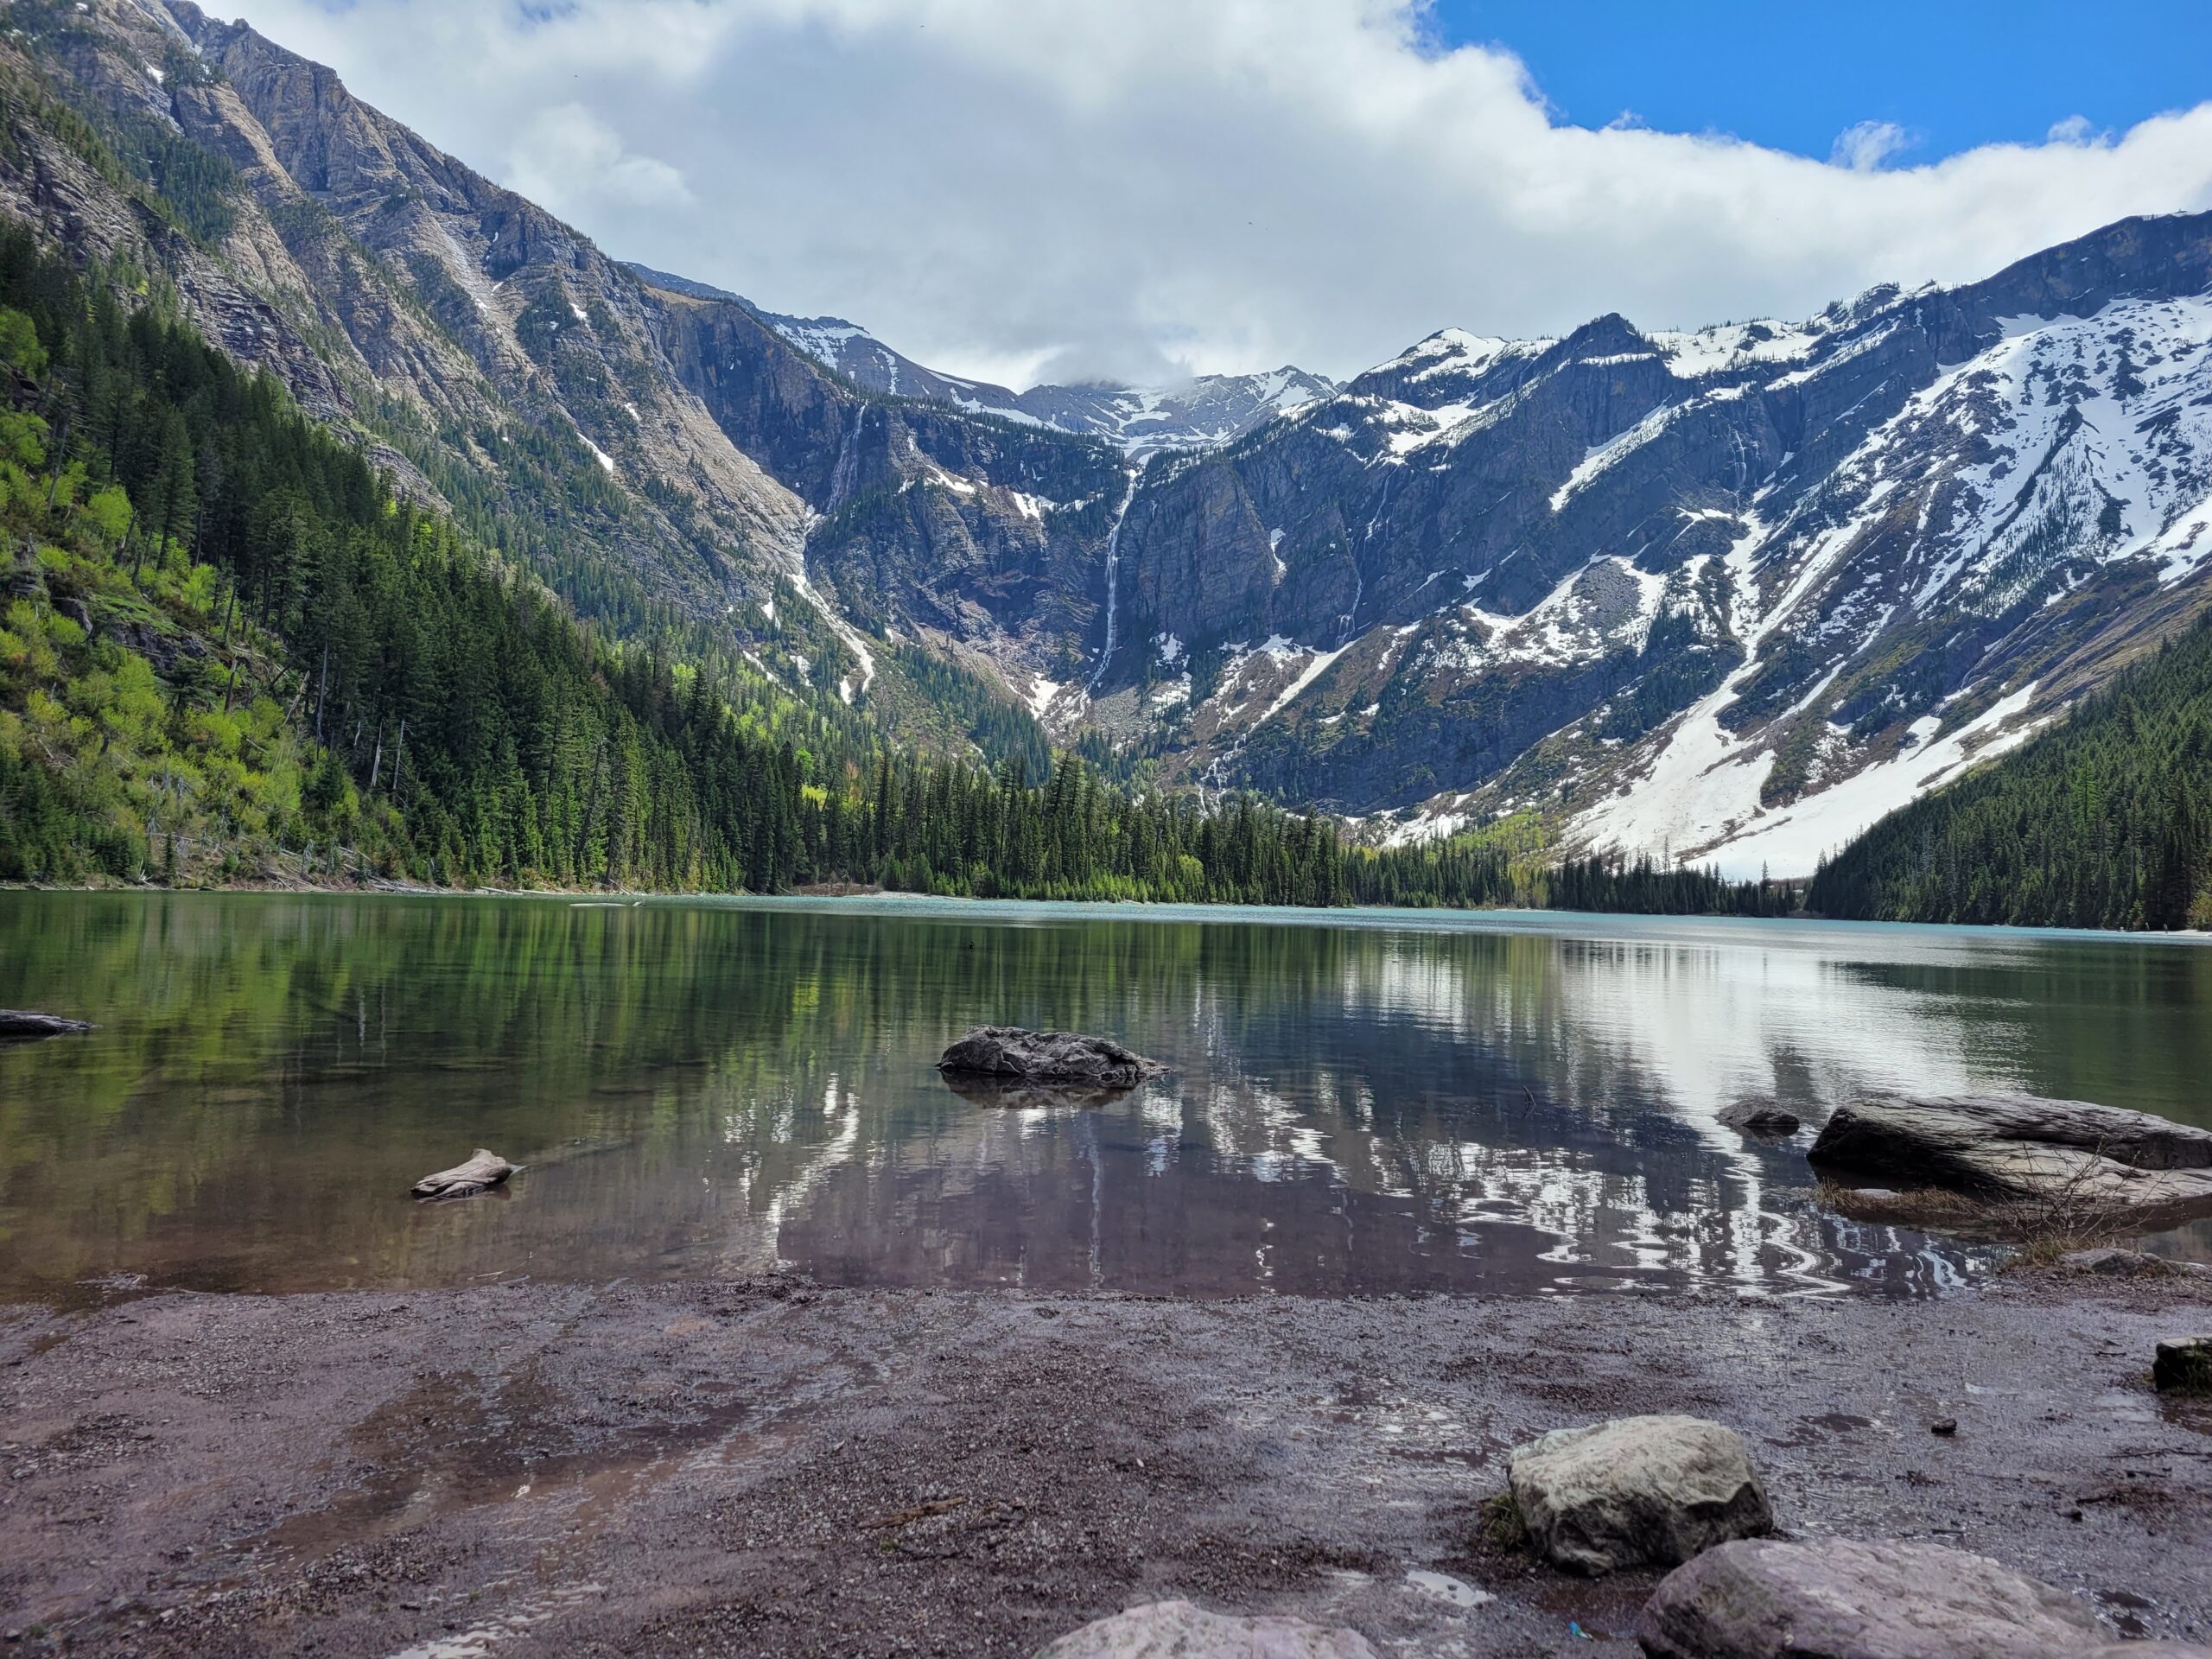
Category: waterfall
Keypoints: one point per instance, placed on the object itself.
(1113, 578)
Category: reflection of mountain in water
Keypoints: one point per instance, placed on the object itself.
(724, 1088)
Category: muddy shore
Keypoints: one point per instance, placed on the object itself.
(767, 1468)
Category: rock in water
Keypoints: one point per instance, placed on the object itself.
(1760, 1117)
(2010, 1146)
(2183, 1365)
(483, 1171)
(1636, 1489)
(1760, 1599)
(1047, 1057)
(1176, 1630)
(19, 1024)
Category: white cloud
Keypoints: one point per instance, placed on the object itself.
(996, 186)
(1864, 147)
(568, 160)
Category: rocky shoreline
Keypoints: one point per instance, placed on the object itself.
(768, 1467)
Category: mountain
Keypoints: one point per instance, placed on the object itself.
(1208, 410)
(1729, 594)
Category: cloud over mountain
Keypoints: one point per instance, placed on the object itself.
(1006, 187)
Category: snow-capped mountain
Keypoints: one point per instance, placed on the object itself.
(1731, 593)
(1208, 410)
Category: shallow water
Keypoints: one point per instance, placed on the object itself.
(1358, 1101)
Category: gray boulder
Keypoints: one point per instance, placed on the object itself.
(483, 1172)
(1760, 1599)
(1176, 1630)
(1637, 1491)
(1062, 1057)
(2018, 1146)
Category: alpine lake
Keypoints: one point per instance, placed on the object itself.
(1355, 1103)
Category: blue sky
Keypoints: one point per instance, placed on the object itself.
(1795, 73)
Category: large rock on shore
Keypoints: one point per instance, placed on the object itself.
(2019, 1146)
(1637, 1491)
(1761, 1599)
(1176, 1630)
(1062, 1057)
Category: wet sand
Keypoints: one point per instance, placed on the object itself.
(765, 1468)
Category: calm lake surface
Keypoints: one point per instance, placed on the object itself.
(1359, 1101)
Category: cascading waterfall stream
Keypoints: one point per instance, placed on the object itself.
(1113, 577)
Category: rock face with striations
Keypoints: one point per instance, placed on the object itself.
(1176, 1630)
(1047, 1057)
(2010, 1146)
(1760, 1599)
(1637, 1491)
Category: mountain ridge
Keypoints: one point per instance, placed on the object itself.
(1193, 413)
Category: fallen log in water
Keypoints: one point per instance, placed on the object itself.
(17, 1025)
(2020, 1149)
(483, 1171)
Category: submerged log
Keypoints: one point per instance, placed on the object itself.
(17, 1025)
(1047, 1057)
(483, 1171)
(2020, 1149)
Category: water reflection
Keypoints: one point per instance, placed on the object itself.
(1357, 1104)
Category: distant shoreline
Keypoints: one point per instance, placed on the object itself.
(1318, 915)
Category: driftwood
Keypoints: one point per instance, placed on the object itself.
(18, 1025)
(1063, 1056)
(2020, 1149)
(483, 1171)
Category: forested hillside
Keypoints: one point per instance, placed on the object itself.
(2105, 822)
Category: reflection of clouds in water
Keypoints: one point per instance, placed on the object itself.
(1701, 1023)
(1526, 1109)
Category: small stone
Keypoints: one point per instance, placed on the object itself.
(20, 1023)
(1637, 1491)
(1178, 1630)
(1760, 1117)
(1944, 1425)
(2183, 1365)
(1761, 1599)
